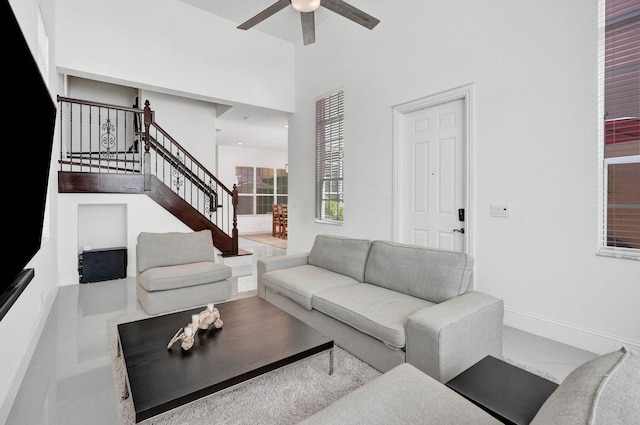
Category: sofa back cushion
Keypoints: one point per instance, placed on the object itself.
(342, 255)
(431, 274)
(173, 248)
(602, 391)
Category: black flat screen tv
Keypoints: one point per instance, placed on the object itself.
(29, 123)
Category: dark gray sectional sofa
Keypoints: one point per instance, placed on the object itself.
(388, 303)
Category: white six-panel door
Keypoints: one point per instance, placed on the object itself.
(432, 173)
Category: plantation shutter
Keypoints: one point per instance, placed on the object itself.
(329, 157)
(620, 146)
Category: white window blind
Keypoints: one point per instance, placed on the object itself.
(619, 141)
(330, 158)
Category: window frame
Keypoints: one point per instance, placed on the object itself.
(603, 248)
(329, 115)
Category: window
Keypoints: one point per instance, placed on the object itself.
(265, 188)
(619, 142)
(282, 186)
(330, 158)
(259, 188)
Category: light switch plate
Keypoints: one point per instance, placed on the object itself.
(500, 211)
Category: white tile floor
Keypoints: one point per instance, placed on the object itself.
(70, 381)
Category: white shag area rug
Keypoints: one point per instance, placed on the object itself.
(544, 374)
(284, 396)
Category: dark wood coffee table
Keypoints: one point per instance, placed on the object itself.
(507, 392)
(256, 338)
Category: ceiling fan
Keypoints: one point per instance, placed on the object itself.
(306, 9)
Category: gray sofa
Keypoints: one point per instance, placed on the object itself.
(176, 270)
(388, 303)
(603, 391)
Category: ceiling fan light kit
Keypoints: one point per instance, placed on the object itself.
(305, 5)
(307, 18)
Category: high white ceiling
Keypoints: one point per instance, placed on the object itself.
(253, 127)
(285, 24)
(264, 129)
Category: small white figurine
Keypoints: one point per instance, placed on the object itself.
(210, 316)
(185, 334)
(203, 320)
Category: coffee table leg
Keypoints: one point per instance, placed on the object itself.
(331, 361)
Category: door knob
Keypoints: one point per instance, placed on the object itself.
(460, 230)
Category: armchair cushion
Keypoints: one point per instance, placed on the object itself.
(173, 248)
(180, 276)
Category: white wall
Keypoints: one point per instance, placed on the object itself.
(229, 158)
(175, 47)
(101, 226)
(97, 91)
(190, 122)
(534, 66)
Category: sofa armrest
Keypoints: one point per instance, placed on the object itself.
(278, 262)
(445, 339)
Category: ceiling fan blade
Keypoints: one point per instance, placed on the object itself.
(308, 27)
(269, 11)
(350, 12)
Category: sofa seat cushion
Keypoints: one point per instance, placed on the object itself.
(376, 311)
(179, 276)
(301, 282)
(602, 391)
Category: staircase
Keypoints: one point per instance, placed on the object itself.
(113, 149)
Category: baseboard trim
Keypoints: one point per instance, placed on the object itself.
(566, 333)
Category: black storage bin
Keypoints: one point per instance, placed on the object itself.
(96, 265)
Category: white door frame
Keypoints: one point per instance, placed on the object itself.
(466, 93)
